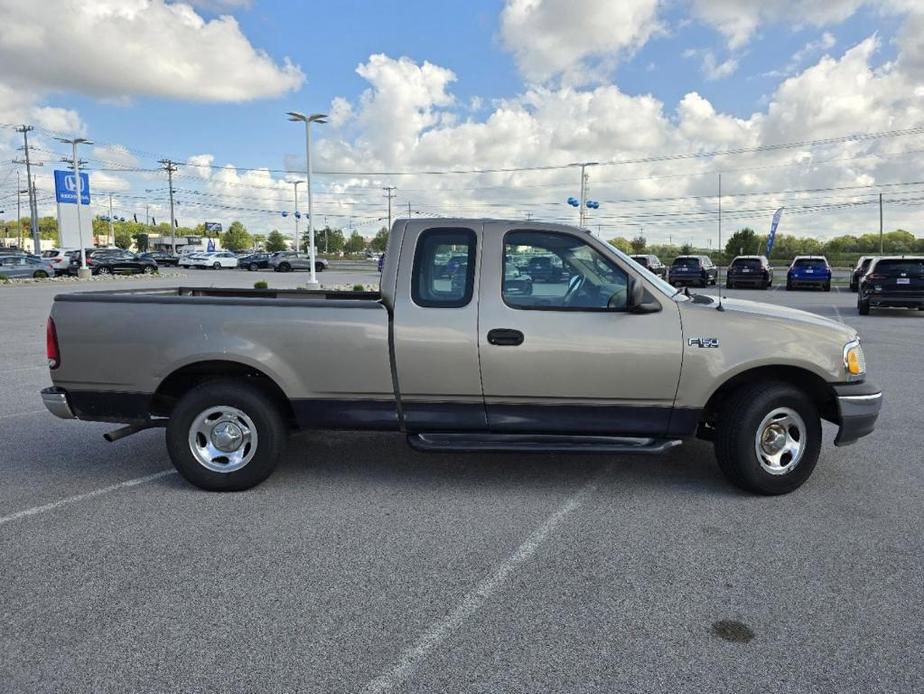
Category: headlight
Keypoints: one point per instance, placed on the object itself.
(854, 361)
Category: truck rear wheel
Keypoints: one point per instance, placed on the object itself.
(225, 436)
(768, 438)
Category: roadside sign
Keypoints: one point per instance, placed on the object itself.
(213, 227)
(66, 188)
(773, 225)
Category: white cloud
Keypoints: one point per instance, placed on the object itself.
(739, 19)
(714, 70)
(120, 48)
(201, 165)
(551, 38)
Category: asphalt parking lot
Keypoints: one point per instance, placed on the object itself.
(361, 565)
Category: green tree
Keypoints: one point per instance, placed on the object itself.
(380, 240)
(742, 242)
(622, 244)
(326, 240)
(275, 242)
(686, 249)
(123, 239)
(141, 241)
(355, 244)
(638, 244)
(236, 238)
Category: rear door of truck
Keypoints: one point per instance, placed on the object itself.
(436, 326)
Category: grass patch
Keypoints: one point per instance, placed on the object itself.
(262, 284)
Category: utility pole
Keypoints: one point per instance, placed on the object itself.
(529, 216)
(111, 230)
(170, 167)
(19, 192)
(33, 203)
(583, 196)
(295, 185)
(880, 224)
(718, 272)
(408, 209)
(389, 193)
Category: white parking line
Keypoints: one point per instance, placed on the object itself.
(21, 414)
(836, 312)
(82, 497)
(439, 631)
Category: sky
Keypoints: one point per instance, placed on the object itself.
(663, 95)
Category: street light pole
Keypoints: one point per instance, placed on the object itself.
(319, 118)
(83, 272)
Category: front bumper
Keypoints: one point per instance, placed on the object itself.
(55, 400)
(858, 406)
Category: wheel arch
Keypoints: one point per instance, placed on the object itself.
(187, 377)
(819, 390)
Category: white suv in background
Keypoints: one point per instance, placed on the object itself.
(59, 260)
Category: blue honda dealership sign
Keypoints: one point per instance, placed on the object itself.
(66, 187)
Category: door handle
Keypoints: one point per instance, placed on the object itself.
(505, 337)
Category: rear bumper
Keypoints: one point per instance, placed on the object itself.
(858, 406)
(749, 280)
(680, 280)
(56, 402)
(886, 301)
(808, 281)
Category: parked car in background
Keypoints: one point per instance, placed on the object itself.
(160, 257)
(58, 259)
(215, 260)
(254, 261)
(749, 271)
(109, 261)
(21, 265)
(693, 270)
(546, 268)
(381, 262)
(652, 263)
(892, 282)
(516, 282)
(287, 261)
(811, 271)
(859, 271)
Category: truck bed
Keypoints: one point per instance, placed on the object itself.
(328, 352)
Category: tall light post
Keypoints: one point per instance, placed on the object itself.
(295, 185)
(83, 272)
(320, 119)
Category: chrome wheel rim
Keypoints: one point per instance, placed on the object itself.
(780, 441)
(223, 439)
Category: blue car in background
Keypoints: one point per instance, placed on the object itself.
(809, 271)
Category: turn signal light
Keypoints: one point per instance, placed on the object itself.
(853, 363)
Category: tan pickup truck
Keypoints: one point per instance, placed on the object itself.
(465, 350)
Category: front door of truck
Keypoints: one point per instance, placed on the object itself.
(559, 352)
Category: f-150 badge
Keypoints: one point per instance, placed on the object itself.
(709, 342)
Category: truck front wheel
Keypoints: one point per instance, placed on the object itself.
(768, 438)
(225, 436)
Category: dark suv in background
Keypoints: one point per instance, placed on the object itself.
(652, 263)
(893, 282)
(859, 271)
(108, 261)
(749, 271)
(693, 270)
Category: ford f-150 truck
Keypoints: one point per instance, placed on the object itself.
(601, 357)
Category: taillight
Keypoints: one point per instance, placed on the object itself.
(873, 277)
(51, 345)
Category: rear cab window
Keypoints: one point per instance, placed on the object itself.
(444, 268)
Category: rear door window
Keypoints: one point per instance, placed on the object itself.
(444, 268)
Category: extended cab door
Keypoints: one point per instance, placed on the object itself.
(435, 324)
(560, 353)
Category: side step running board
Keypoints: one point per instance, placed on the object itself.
(539, 443)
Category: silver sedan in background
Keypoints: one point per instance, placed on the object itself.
(25, 266)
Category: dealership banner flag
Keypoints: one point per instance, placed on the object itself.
(773, 225)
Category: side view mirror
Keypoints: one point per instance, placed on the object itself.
(636, 299)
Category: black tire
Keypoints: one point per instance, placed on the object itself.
(735, 438)
(729, 285)
(283, 267)
(104, 270)
(788, 286)
(40, 274)
(216, 266)
(262, 410)
(253, 267)
(319, 267)
(863, 307)
(854, 288)
(149, 270)
(827, 286)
